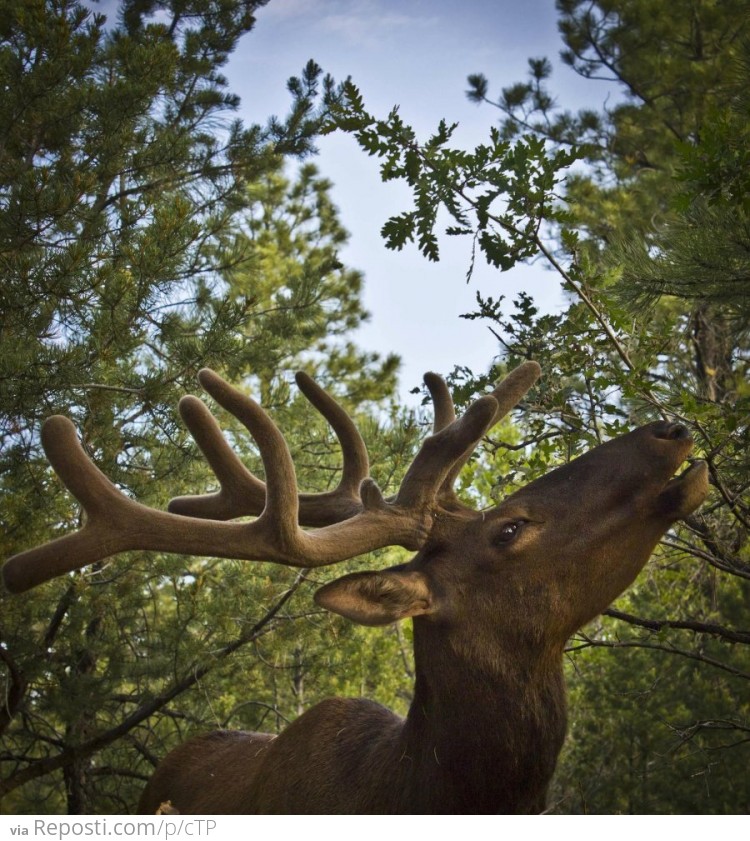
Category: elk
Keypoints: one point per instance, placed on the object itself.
(494, 595)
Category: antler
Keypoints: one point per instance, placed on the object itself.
(354, 517)
(243, 494)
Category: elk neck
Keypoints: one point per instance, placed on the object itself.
(487, 720)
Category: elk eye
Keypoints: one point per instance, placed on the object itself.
(508, 532)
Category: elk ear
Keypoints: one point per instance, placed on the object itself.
(377, 598)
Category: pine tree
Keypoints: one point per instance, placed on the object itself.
(145, 233)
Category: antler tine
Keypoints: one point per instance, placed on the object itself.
(507, 394)
(281, 498)
(241, 493)
(442, 402)
(356, 465)
(69, 460)
(439, 453)
(100, 499)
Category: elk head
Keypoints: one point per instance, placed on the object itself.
(549, 558)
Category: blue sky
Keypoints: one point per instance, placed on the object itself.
(416, 54)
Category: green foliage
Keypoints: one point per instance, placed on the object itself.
(700, 250)
(121, 170)
(657, 210)
(144, 234)
(499, 194)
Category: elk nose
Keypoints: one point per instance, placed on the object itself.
(672, 431)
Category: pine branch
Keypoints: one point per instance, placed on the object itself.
(75, 753)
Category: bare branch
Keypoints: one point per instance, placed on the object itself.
(684, 625)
